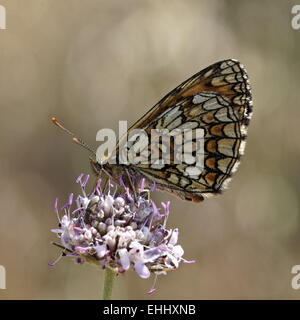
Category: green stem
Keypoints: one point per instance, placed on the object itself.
(109, 276)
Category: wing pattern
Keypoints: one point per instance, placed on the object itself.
(217, 100)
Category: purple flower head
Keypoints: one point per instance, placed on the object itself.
(120, 231)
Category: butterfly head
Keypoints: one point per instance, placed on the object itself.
(111, 170)
(96, 166)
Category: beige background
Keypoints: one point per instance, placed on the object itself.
(91, 63)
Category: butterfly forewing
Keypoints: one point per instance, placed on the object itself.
(216, 100)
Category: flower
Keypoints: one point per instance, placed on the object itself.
(118, 231)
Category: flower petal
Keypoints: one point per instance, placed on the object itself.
(142, 184)
(79, 178)
(174, 237)
(56, 230)
(101, 250)
(86, 179)
(124, 258)
(151, 291)
(142, 270)
(151, 255)
(178, 251)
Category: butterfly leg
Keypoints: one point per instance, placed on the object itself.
(105, 184)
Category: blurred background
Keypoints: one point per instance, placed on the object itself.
(92, 63)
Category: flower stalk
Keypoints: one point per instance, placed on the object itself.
(109, 277)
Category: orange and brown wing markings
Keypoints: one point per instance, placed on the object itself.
(218, 100)
(204, 86)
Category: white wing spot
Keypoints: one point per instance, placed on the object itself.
(199, 99)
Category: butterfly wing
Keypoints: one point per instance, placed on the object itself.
(217, 100)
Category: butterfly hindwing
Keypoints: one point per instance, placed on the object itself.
(216, 100)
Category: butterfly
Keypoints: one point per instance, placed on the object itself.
(216, 100)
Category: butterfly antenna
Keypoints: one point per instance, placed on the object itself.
(75, 139)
